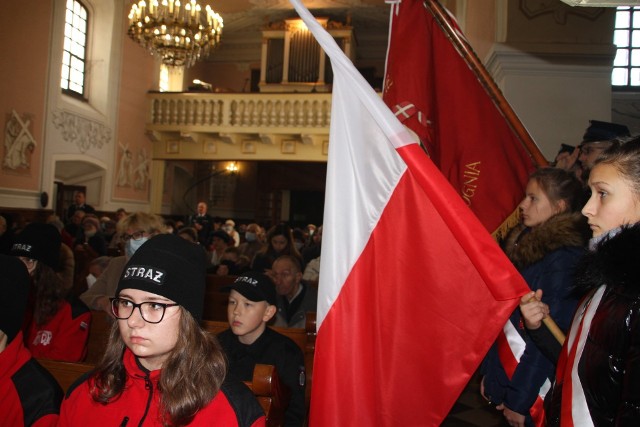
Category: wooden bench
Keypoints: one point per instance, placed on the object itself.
(65, 372)
(265, 385)
(215, 299)
(271, 394)
(98, 335)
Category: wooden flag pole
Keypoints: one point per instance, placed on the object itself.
(470, 57)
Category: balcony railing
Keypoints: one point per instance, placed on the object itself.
(281, 113)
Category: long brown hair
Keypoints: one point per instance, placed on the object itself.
(191, 376)
(50, 292)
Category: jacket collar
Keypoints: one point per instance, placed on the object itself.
(135, 369)
(614, 262)
(525, 246)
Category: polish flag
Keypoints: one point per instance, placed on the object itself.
(413, 290)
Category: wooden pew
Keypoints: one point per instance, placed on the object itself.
(215, 299)
(65, 372)
(265, 385)
(271, 394)
(98, 335)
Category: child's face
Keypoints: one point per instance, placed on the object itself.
(247, 318)
(612, 203)
(536, 207)
(151, 342)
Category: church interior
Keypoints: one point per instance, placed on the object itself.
(239, 130)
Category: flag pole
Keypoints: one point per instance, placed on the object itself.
(470, 57)
(467, 53)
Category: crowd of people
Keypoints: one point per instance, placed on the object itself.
(568, 355)
(67, 271)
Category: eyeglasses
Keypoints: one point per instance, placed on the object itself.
(135, 236)
(151, 312)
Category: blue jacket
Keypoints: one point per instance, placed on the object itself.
(546, 257)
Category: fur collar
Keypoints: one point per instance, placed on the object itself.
(525, 246)
(615, 262)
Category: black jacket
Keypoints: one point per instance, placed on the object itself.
(609, 368)
(271, 348)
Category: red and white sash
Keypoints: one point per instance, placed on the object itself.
(574, 410)
(511, 347)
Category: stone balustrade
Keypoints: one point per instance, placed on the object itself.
(285, 113)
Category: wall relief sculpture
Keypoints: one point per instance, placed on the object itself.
(84, 133)
(18, 142)
(133, 172)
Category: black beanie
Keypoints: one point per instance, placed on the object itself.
(169, 266)
(15, 290)
(40, 242)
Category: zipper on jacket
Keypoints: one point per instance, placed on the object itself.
(148, 385)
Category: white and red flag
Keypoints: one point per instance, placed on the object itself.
(413, 290)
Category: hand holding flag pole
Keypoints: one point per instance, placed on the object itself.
(535, 311)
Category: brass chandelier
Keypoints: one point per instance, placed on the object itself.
(180, 33)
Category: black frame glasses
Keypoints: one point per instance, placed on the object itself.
(143, 307)
(135, 236)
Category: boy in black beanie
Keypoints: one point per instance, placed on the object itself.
(248, 341)
(31, 396)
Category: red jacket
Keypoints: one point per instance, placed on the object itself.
(139, 404)
(30, 395)
(64, 336)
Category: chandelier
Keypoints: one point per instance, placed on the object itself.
(180, 33)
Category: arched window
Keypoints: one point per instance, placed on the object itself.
(75, 49)
(626, 37)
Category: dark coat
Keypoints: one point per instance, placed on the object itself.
(275, 349)
(546, 257)
(609, 368)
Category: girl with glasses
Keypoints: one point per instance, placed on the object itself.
(160, 367)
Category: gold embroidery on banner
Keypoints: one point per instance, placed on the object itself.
(470, 175)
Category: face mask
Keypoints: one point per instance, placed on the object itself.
(90, 233)
(133, 245)
(250, 237)
(91, 279)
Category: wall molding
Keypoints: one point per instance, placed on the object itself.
(82, 132)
